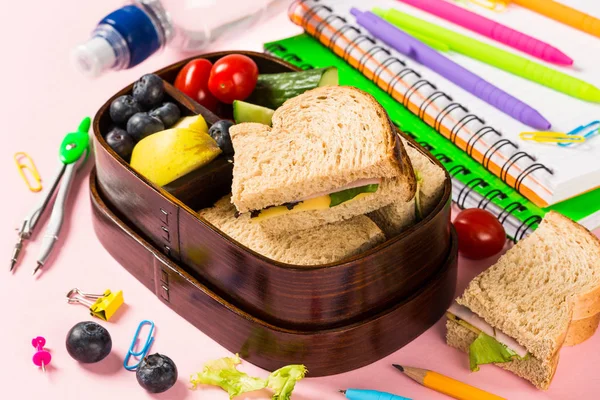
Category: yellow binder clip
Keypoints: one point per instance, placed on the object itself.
(102, 306)
(551, 137)
(25, 163)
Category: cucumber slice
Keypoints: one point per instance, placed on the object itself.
(246, 112)
(272, 90)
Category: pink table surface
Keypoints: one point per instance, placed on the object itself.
(43, 98)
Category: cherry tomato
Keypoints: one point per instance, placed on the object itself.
(480, 234)
(193, 81)
(233, 77)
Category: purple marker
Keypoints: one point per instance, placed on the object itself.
(420, 52)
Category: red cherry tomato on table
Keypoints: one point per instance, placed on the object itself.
(193, 81)
(480, 234)
(233, 77)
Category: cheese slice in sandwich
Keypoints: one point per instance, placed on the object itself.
(518, 313)
(400, 215)
(330, 154)
(322, 245)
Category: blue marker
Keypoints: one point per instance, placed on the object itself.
(360, 394)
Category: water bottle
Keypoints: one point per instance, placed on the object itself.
(131, 34)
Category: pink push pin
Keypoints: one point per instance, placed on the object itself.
(42, 357)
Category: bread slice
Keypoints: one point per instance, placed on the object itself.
(323, 245)
(319, 142)
(534, 291)
(398, 216)
(538, 372)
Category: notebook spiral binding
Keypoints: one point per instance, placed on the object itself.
(414, 88)
(464, 193)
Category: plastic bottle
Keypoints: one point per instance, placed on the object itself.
(131, 34)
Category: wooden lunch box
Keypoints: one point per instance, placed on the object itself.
(332, 318)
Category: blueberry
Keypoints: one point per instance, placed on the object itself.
(220, 132)
(156, 373)
(121, 142)
(141, 125)
(168, 113)
(88, 342)
(122, 108)
(149, 90)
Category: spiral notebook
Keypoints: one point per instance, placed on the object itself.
(544, 174)
(472, 184)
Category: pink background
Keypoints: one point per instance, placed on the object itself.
(43, 98)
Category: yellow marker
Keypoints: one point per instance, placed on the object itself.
(551, 137)
(448, 386)
(104, 305)
(29, 166)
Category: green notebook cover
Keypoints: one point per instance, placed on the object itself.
(306, 52)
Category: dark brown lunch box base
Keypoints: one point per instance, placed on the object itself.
(323, 351)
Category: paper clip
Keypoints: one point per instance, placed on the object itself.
(144, 351)
(28, 165)
(551, 137)
(102, 306)
(585, 131)
(494, 5)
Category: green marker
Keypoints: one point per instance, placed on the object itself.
(445, 40)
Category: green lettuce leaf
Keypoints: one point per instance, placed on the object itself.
(283, 380)
(348, 194)
(223, 373)
(486, 350)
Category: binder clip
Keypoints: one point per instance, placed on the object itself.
(139, 355)
(102, 306)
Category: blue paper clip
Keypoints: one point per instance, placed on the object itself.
(586, 131)
(142, 353)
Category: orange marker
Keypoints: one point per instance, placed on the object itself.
(446, 385)
(562, 13)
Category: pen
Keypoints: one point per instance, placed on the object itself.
(562, 13)
(492, 29)
(445, 39)
(361, 394)
(455, 73)
(443, 384)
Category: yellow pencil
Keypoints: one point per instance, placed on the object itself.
(446, 385)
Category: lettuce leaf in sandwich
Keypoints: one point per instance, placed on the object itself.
(487, 350)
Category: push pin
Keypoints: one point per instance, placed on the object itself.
(42, 357)
(102, 306)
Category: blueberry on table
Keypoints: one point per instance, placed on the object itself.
(121, 142)
(156, 373)
(149, 90)
(141, 125)
(168, 113)
(122, 108)
(88, 342)
(220, 132)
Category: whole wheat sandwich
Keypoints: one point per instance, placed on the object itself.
(398, 216)
(542, 294)
(321, 245)
(331, 154)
